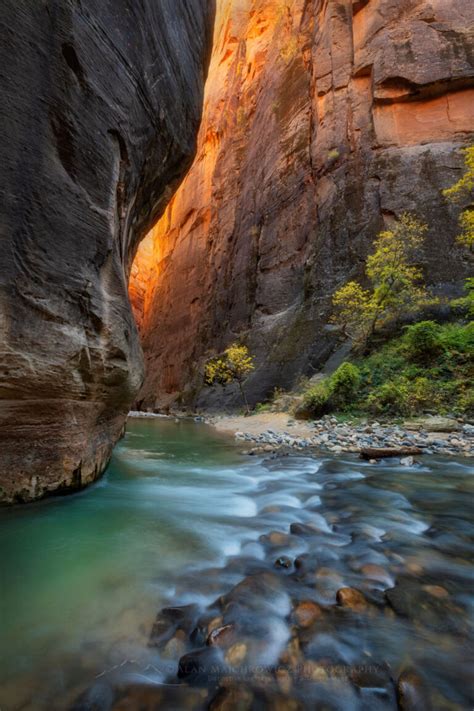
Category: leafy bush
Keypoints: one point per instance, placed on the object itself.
(344, 384)
(459, 340)
(463, 191)
(402, 397)
(466, 401)
(317, 399)
(389, 398)
(337, 391)
(466, 303)
(428, 369)
(423, 340)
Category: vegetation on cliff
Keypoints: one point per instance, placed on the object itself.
(462, 192)
(427, 369)
(397, 286)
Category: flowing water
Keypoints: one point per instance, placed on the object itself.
(179, 518)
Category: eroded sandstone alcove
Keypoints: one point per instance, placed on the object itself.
(322, 121)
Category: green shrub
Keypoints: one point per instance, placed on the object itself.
(334, 392)
(466, 401)
(422, 395)
(403, 397)
(459, 339)
(344, 383)
(423, 340)
(317, 399)
(388, 398)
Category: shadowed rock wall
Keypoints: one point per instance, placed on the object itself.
(101, 103)
(323, 120)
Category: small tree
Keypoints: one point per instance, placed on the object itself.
(234, 366)
(397, 283)
(464, 190)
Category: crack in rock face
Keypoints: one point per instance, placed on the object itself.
(101, 104)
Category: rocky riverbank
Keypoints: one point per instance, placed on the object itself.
(316, 615)
(276, 432)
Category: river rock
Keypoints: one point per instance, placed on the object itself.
(101, 103)
(222, 636)
(171, 619)
(377, 573)
(433, 424)
(99, 696)
(236, 654)
(306, 613)
(231, 699)
(352, 599)
(283, 562)
(151, 697)
(203, 665)
(412, 693)
(411, 599)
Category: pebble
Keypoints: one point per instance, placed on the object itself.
(283, 562)
(306, 613)
(221, 636)
(352, 599)
(330, 436)
(436, 591)
(236, 654)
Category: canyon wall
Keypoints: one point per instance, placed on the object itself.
(323, 121)
(101, 104)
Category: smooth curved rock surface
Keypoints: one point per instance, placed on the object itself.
(322, 122)
(101, 104)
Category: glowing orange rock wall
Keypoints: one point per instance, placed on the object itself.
(323, 120)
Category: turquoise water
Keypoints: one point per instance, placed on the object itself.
(84, 575)
(177, 519)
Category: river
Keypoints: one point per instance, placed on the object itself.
(179, 518)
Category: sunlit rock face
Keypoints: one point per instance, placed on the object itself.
(323, 120)
(101, 104)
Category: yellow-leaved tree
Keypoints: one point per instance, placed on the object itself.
(234, 366)
(463, 191)
(397, 285)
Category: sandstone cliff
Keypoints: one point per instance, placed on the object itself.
(323, 120)
(101, 103)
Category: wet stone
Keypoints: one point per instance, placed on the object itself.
(306, 613)
(152, 697)
(171, 619)
(412, 693)
(276, 539)
(236, 698)
(377, 573)
(411, 599)
(283, 562)
(222, 636)
(236, 654)
(436, 591)
(176, 646)
(352, 599)
(201, 666)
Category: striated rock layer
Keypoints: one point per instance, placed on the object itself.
(101, 103)
(323, 120)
